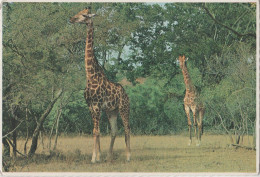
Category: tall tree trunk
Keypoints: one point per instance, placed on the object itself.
(6, 155)
(14, 134)
(57, 129)
(41, 137)
(40, 123)
(51, 133)
(27, 132)
(55, 123)
(6, 148)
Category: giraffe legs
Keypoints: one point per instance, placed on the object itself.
(201, 113)
(195, 122)
(112, 117)
(95, 111)
(187, 111)
(124, 113)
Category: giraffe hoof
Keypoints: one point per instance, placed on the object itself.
(198, 144)
(189, 143)
(95, 161)
(128, 157)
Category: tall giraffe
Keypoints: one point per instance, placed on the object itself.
(102, 94)
(192, 102)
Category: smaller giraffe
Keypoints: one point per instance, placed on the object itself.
(192, 102)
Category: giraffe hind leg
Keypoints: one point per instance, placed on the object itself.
(187, 111)
(196, 123)
(200, 125)
(112, 117)
(124, 113)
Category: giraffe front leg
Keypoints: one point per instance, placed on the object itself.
(187, 111)
(96, 136)
(96, 146)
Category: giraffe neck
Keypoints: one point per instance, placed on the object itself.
(187, 80)
(91, 64)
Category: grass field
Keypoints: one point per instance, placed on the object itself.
(149, 154)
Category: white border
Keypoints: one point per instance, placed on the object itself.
(143, 174)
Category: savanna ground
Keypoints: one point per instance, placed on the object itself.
(149, 154)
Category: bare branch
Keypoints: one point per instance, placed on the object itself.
(225, 26)
(13, 130)
(222, 123)
(9, 141)
(250, 148)
(240, 90)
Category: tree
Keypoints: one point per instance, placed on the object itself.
(233, 100)
(43, 53)
(40, 123)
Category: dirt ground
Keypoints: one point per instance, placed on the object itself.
(149, 154)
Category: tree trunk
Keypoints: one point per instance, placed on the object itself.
(40, 123)
(27, 133)
(51, 133)
(41, 136)
(52, 128)
(238, 139)
(6, 155)
(6, 148)
(14, 136)
(57, 129)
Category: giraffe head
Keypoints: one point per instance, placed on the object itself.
(83, 16)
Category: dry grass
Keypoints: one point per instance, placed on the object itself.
(149, 154)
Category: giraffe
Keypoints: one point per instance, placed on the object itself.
(101, 94)
(192, 102)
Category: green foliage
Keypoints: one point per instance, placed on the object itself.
(43, 53)
(234, 98)
(147, 109)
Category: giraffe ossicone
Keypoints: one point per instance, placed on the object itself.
(102, 94)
